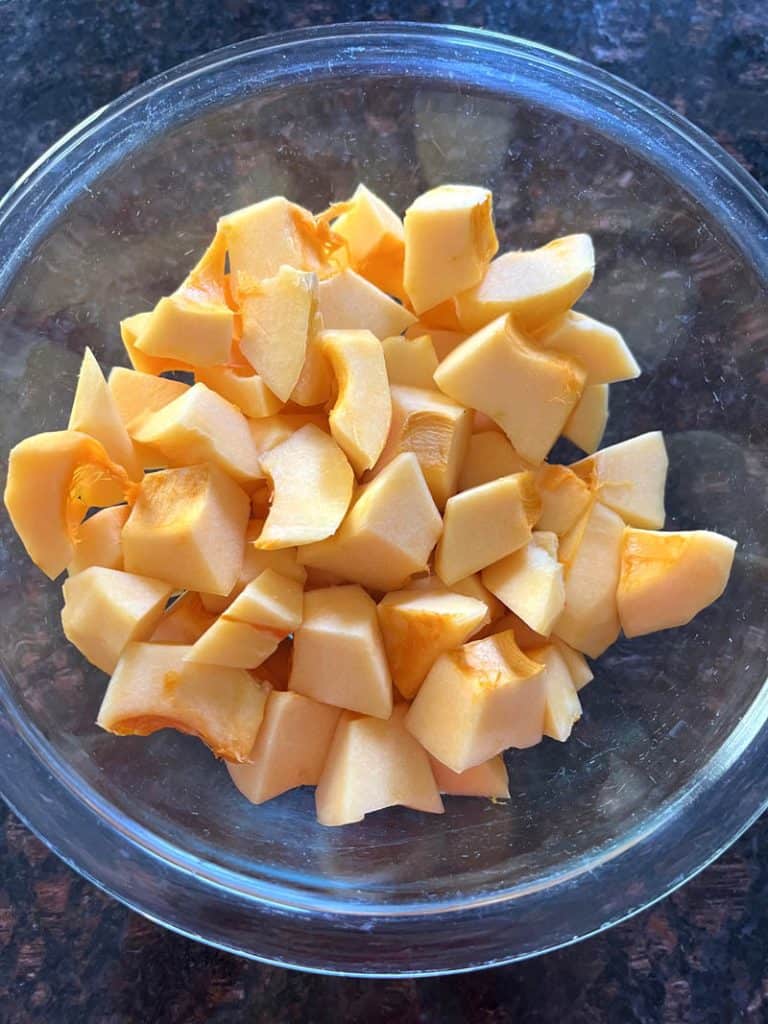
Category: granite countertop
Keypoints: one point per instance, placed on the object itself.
(68, 952)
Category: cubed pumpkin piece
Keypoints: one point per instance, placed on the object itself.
(243, 388)
(50, 479)
(533, 286)
(599, 349)
(255, 561)
(186, 330)
(99, 540)
(485, 524)
(529, 392)
(562, 705)
(449, 242)
(348, 302)
(312, 487)
(183, 622)
(477, 701)
(201, 426)
(136, 394)
(668, 578)
(564, 498)
(586, 424)
(266, 611)
(578, 666)
(338, 652)
(94, 412)
(375, 240)
(373, 764)
(105, 609)
(277, 316)
(290, 749)
(410, 361)
(388, 534)
(530, 582)
(630, 477)
(436, 429)
(489, 456)
(130, 330)
(488, 779)
(592, 556)
(361, 415)
(153, 688)
(419, 626)
(265, 236)
(188, 527)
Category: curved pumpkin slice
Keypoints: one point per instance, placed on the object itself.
(277, 318)
(534, 286)
(95, 412)
(668, 578)
(312, 483)
(130, 330)
(49, 477)
(154, 688)
(362, 415)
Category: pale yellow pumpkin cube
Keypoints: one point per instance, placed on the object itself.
(419, 626)
(105, 609)
(485, 524)
(529, 392)
(530, 582)
(338, 652)
(477, 701)
(373, 764)
(201, 426)
(410, 361)
(290, 749)
(187, 527)
(389, 531)
(449, 242)
(630, 477)
(348, 302)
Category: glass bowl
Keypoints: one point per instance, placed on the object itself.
(668, 764)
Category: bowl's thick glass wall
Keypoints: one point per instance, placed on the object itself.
(108, 223)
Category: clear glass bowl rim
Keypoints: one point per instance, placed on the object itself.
(272, 922)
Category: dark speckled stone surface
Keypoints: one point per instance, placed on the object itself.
(69, 953)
